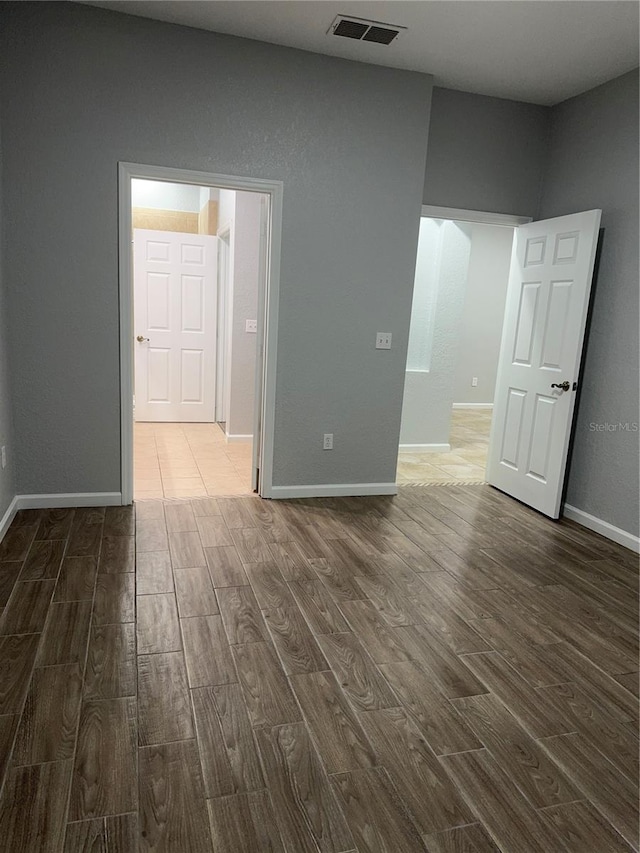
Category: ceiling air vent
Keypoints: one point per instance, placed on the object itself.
(363, 30)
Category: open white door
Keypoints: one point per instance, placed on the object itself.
(175, 326)
(546, 311)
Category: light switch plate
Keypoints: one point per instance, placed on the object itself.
(251, 326)
(383, 340)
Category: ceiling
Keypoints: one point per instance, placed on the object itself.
(541, 51)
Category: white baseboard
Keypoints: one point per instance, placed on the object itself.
(72, 499)
(598, 525)
(472, 406)
(425, 448)
(7, 518)
(332, 491)
(237, 439)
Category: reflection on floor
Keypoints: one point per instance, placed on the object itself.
(441, 670)
(188, 461)
(464, 463)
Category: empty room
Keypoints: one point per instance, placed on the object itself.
(319, 521)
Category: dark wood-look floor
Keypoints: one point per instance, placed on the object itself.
(445, 670)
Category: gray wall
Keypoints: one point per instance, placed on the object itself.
(86, 88)
(593, 162)
(480, 330)
(7, 477)
(485, 153)
(246, 270)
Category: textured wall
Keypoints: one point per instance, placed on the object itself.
(7, 476)
(485, 153)
(426, 410)
(484, 303)
(86, 88)
(593, 162)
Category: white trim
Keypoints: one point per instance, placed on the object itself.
(70, 499)
(461, 215)
(598, 525)
(238, 439)
(334, 490)
(472, 406)
(425, 448)
(57, 500)
(7, 518)
(274, 189)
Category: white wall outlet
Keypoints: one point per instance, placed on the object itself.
(327, 441)
(3, 453)
(474, 382)
(383, 340)
(251, 326)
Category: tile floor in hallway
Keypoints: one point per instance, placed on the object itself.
(176, 460)
(464, 463)
(444, 670)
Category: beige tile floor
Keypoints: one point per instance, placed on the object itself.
(188, 461)
(464, 463)
(194, 460)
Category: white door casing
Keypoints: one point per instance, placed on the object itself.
(546, 311)
(256, 452)
(175, 296)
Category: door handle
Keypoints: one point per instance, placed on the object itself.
(141, 339)
(564, 386)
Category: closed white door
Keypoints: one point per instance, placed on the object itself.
(175, 294)
(546, 311)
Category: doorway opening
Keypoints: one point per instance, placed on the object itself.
(199, 269)
(462, 273)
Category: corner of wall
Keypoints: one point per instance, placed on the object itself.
(7, 432)
(544, 172)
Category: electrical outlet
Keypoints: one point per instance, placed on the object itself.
(383, 340)
(327, 443)
(251, 326)
(3, 452)
(474, 382)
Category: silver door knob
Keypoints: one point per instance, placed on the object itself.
(141, 339)
(564, 386)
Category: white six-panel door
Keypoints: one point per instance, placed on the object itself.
(547, 301)
(174, 326)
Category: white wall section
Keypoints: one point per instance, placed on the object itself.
(162, 195)
(246, 269)
(428, 396)
(425, 294)
(480, 330)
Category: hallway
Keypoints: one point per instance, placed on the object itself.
(188, 461)
(464, 463)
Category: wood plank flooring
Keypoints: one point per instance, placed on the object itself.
(445, 670)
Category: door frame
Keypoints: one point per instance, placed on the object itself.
(484, 217)
(264, 407)
(430, 211)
